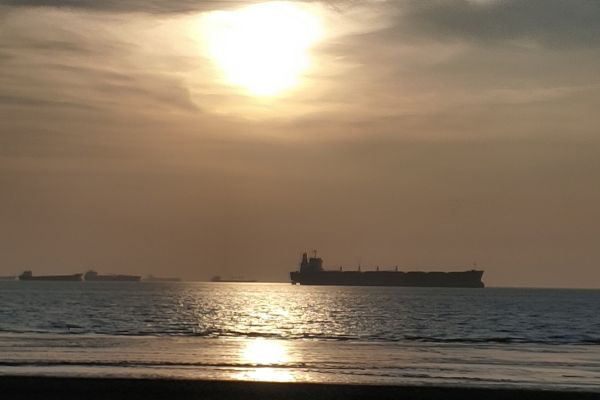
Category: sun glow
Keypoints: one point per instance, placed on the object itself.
(266, 357)
(263, 48)
(262, 351)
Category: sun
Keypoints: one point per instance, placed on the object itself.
(262, 48)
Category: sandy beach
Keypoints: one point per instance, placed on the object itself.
(47, 388)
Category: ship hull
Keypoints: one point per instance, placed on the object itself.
(164, 280)
(465, 279)
(115, 278)
(74, 277)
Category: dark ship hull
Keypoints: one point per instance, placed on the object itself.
(116, 278)
(152, 278)
(232, 280)
(466, 279)
(312, 273)
(94, 276)
(74, 277)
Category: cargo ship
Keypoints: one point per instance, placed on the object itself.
(152, 278)
(28, 276)
(217, 278)
(311, 272)
(94, 276)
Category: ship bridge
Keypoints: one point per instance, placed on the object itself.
(312, 264)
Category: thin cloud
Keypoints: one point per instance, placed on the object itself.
(141, 6)
(11, 100)
(552, 23)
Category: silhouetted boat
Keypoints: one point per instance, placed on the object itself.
(94, 276)
(8, 278)
(28, 276)
(217, 278)
(312, 273)
(152, 278)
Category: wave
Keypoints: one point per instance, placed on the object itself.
(226, 333)
(229, 334)
(97, 363)
(503, 339)
(552, 340)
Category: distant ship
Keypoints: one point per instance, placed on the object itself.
(217, 278)
(28, 276)
(94, 276)
(152, 278)
(312, 273)
(8, 278)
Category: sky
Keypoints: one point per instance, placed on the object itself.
(196, 138)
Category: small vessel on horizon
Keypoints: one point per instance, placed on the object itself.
(217, 278)
(311, 272)
(28, 276)
(8, 278)
(152, 278)
(94, 276)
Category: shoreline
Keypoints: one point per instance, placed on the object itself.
(47, 388)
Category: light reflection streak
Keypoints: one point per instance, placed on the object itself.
(265, 375)
(265, 355)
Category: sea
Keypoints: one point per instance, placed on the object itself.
(492, 337)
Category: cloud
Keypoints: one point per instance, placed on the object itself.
(9, 100)
(172, 6)
(142, 6)
(45, 45)
(68, 61)
(552, 23)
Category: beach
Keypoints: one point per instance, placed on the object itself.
(49, 388)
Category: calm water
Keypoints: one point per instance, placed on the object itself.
(492, 337)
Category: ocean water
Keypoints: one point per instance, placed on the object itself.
(538, 338)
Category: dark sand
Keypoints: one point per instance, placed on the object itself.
(47, 388)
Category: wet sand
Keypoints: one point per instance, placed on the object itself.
(46, 388)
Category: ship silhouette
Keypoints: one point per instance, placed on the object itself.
(28, 276)
(152, 278)
(94, 276)
(311, 272)
(217, 278)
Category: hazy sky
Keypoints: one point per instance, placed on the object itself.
(414, 133)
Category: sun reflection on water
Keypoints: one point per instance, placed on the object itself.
(266, 375)
(268, 358)
(265, 352)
